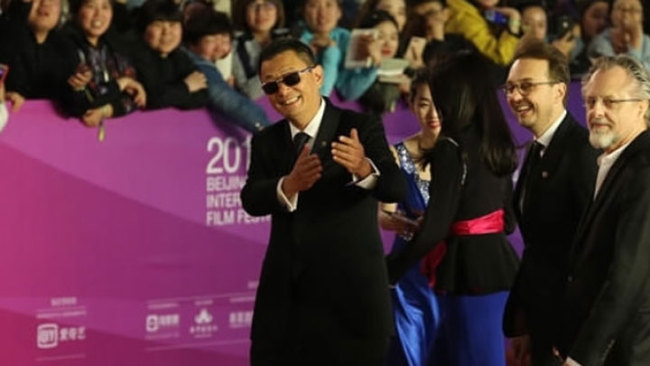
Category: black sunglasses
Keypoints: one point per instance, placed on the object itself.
(290, 79)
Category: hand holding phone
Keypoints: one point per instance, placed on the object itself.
(414, 51)
(4, 70)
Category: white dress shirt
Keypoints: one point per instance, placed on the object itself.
(605, 163)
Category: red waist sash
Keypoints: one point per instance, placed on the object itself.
(487, 224)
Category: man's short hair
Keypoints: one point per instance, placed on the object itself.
(281, 45)
(558, 65)
(633, 68)
(208, 22)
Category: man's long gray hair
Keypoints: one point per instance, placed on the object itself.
(634, 68)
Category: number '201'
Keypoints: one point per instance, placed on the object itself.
(227, 154)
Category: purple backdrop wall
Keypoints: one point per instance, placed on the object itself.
(134, 250)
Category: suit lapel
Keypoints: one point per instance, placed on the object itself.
(640, 142)
(284, 145)
(548, 162)
(554, 151)
(327, 130)
(523, 176)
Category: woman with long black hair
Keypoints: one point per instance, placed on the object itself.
(467, 217)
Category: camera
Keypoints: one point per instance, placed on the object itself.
(559, 26)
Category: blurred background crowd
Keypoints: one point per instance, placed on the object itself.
(99, 59)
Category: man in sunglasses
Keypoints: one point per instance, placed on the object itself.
(555, 186)
(605, 318)
(323, 295)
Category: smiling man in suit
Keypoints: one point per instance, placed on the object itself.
(606, 308)
(554, 188)
(323, 296)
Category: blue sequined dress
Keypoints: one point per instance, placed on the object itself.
(415, 307)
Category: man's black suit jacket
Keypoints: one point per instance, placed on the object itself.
(558, 190)
(606, 310)
(323, 273)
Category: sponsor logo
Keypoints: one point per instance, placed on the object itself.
(51, 335)
(203, 324)
(47, 336)
(157, 322)
(240, 319)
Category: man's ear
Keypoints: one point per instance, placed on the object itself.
(317, 71)
(562, 91)
(643, 108)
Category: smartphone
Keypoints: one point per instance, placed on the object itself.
(4, 70)
(495, 17)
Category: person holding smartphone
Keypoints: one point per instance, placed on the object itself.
(493, 29)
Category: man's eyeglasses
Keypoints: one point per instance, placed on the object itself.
(525, 87)
(258, 6)
(290, 79)
(608, 102)
(626, 9)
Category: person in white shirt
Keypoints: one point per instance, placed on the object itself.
(553, 190)
(604, 312)
(323, 296)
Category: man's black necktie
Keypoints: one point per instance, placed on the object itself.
(299, 141)
(534, 156)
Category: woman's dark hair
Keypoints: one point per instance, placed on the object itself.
(155, 10)
(240, 10)
(420, 77)
(377, 17)
(206, 23)
(75, 5)
(465, 97)
(368, 7)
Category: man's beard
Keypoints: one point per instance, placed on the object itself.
(603, 139)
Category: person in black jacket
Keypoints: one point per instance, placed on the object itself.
(604, 312)
(169, 76)
(553, 190)
(462, 242)
(103, 84)
(35, 50)
(323, 293)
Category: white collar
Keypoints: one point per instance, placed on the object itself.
(607, 160)
(312, 126)
(547, 136)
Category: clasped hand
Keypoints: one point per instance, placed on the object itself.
(306, 171)
(349, 153)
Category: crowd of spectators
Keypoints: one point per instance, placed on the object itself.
(99, 59)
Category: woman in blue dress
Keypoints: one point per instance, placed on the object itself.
(415, 307)
(467, 217)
